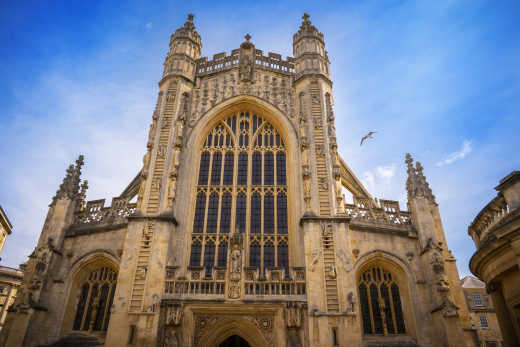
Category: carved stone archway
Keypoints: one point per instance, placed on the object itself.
(212, 330)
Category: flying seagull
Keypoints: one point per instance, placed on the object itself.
(367, 136)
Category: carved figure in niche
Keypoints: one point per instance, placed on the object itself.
(140, 272)
(351, 299)
(246, 68)
(174, 315)
(156, 184)
(323, 183)
(236, 263)
(437, 263)
(170, 338)
(331, 273)
(316, 253)
(320, 151)
(161, 151)
(146, 163)
(318, 122)
(347, 266)
(171, 190)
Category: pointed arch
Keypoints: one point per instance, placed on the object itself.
(229, 326)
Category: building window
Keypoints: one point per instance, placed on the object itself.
(381, 308)
(252, 202)
(484, 322)
(477, 299)
(95, 299)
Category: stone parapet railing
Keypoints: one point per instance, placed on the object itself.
(495, 211)
(207, 284)
(94, 212)
(222, 61)
(386, 212)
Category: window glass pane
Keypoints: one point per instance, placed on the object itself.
(283, 257)
(477, 299)
(209, 256)
(240, 222)
(254, 255)
(257, 169)
(281, 212)
(484, 322)
(216, 167)
(268, 169)
(93, 295)
(365, 309)
(242, 169)
(204, 168)
(396, 298)
(225, 213)
(211, 225)
(222, 254)
(268, 255)
(387, 309)
(196, 250)
(81, 306)
(112, 291)
(229, 162)
(374, 300)
(280, 169)
(256, 214)
(200, 207)
(268, 214)
(103, 298)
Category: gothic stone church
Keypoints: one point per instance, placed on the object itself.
(236, 231)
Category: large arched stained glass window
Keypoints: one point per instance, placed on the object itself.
(380, 303)
(241, 188)
(95, 299)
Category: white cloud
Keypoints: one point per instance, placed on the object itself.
(148, 25)
(458, 155)
(386, 172)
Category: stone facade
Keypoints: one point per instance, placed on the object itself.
(496, 233)
(240, 231)
(482, 313)
(10, 279)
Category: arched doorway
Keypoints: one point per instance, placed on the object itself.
(234, 341)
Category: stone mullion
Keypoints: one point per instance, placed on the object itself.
(392, 308)
(381, 309)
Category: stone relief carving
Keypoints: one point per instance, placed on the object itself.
(306, 173)
(316, 253)
(171, 338)
(174, 313)
(323, 184)
(351, 300)
(205, 323)
(235, 265)
(345, 261)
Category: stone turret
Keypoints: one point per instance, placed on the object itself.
(185, 48)
(447, 304)
(309, 50)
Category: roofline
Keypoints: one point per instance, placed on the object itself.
(4, 217)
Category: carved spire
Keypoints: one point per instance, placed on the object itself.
(416, 184)
(306, 29)
(69, 188)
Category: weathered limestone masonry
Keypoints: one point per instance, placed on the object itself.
(240, 233)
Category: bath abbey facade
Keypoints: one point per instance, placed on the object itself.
(236, 232)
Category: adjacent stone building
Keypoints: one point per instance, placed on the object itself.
(496, 233)
(10, 279)
(240, 234)
(482, 313)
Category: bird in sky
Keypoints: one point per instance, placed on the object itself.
(367, 136)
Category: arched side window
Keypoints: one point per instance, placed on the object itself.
(95, 299)
(380, 303)
(242, 188)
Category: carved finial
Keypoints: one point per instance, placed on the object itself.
(190, 17)
(306, 17)
(416, 184)
(247, 37)
(70, 186)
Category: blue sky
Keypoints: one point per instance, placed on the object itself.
(438, 79)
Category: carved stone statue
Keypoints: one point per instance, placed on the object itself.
(170, 338)
(236, 260)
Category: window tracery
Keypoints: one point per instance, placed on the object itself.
(253, 202)
(95, 299)
(380, 301)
